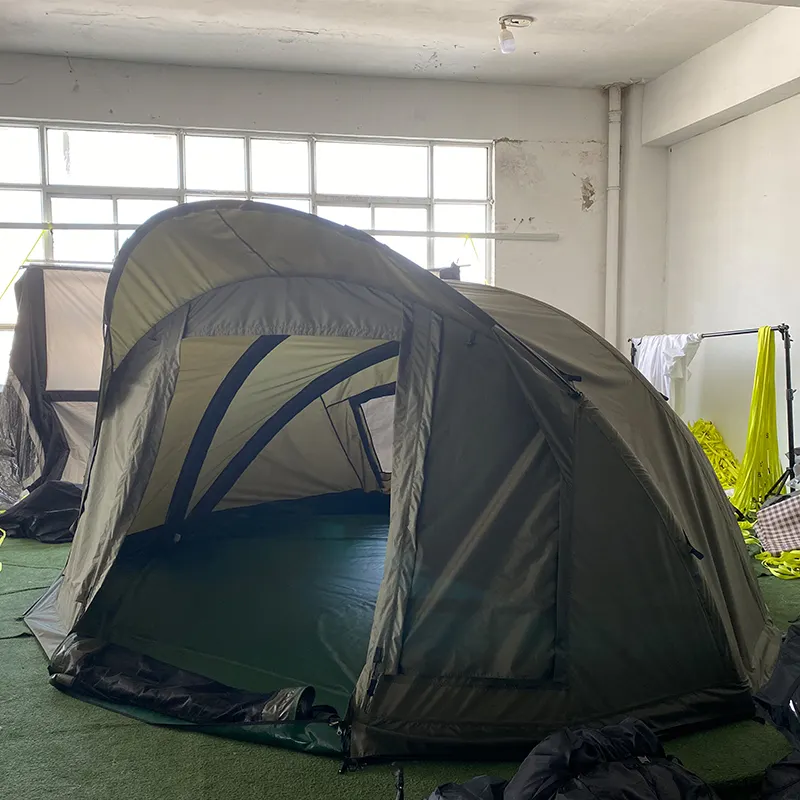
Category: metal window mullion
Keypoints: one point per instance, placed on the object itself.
(116, 222)
(489, 244)
(47, 211)
(280, 196)
(181, 167)
(70, 226)
(312, 172)
(365, 200)
(167, 130)
(21, 187)
(431, 247)
(161, 130)
(81, 190)
(248, 167)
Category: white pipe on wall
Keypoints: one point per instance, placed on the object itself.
(612, 214)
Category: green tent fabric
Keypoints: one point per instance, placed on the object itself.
(455, 512)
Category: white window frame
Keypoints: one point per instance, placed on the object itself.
(49, 191)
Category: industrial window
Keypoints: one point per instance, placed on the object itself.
(73, 194)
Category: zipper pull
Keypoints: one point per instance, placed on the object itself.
(373, 680)
(693, 550)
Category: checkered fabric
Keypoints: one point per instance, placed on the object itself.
(778, 525)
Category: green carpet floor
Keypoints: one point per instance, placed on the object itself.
(54, 746)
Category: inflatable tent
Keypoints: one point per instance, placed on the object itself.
(50, 398)
(337, 502)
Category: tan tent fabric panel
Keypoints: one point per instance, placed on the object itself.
(344, 423)
(74, 320)
(379, 416)
(380, 374)
(505, 518)
(276, 379)
(416, 382)
(304, 460)
(295, 306)
(674, 470)
(77, 420)
(129, 434)
(55, 358)
(204, 363)
(182, 254)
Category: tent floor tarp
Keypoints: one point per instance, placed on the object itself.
(52, 739)
(306, 579)
(299, 583)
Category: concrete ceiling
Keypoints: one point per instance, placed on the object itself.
(572, 43)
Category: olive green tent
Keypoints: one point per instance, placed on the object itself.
(454, 513)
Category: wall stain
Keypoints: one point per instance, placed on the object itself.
(587, 194)
(433, 62)
(514, 159)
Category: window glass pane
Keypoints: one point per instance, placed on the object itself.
(354, 216)
(470, 254)
(82, 209)
(84, 246)
(112, 158)
(460, 173)
(297, 205)
(459, 218)
(215, 162)
(356, 168)
(135, 211)
(20, 206)
(279, 166)
(389, 218)
(15, 245)
(20, 155)
(393, 218)
(414, 248)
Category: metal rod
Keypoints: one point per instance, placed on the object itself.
(714, 334)
(783, 329)
(109, 226)
(511, 237)
(787, 349)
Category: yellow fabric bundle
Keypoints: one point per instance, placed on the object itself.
(760, 467)
(719, 454)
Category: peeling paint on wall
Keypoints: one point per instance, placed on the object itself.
(587, 193)
(553, 187)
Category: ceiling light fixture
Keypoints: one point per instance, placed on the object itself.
(506, 38)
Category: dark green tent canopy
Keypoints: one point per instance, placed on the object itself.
(455, 514)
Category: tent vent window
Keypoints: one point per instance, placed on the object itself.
(378, 414)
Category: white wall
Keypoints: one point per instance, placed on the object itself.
(551, 140)
(732, 262)
(557, 186)
(749, 70)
